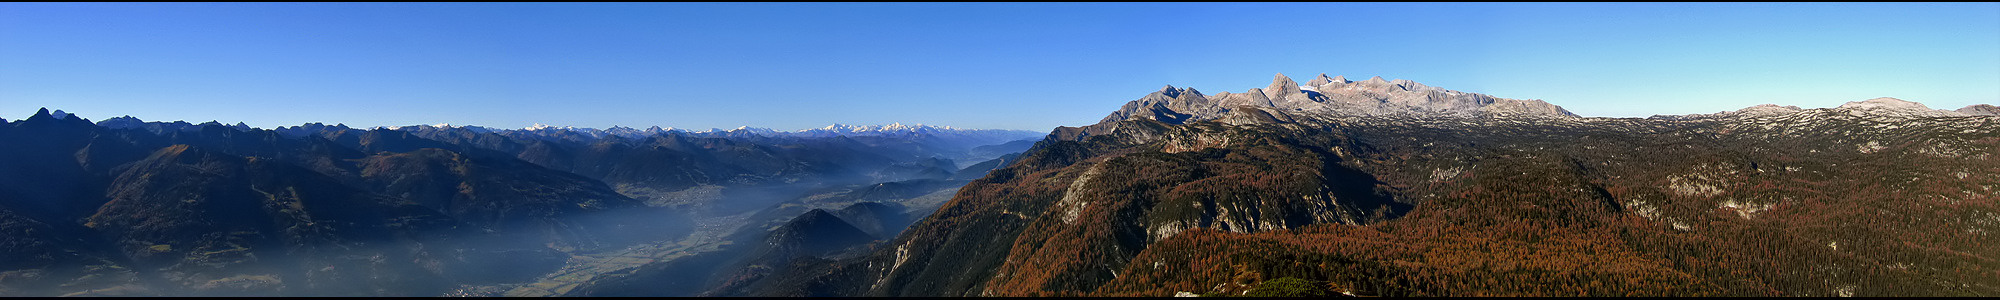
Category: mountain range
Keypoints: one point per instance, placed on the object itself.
(1328, 188)
(128, 207)
(1398, 189)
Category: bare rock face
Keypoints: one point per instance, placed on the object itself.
(1761, 110)
(1281, 87)
(1980, 110)
(1872, 108)
(1329, 96)
(1885, 103)
(1323, 80)
(1767, 110)
(1894, 107)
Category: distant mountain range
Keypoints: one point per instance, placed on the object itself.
(892, 129)
(128, 207)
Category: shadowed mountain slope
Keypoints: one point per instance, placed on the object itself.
(1872, 198)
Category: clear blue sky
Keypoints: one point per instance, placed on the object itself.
(978, 65)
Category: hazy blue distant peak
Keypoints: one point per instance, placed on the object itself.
(620, 130)
(897, 128)
(891, 127)
(540, 126)
(475, 128)
(634, 132)
(744, 129)
(121, 122)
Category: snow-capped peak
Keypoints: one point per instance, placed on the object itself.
(895, 127)
(836, 127)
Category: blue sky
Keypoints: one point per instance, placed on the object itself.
(977, 65)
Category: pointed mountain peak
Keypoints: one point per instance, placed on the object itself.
(1376, 80)
(1280, 86)
(40, 114)
(1319, 81)
(1190, 91)
(1340, 79)
(1280, 81)
(1169, 91)
(1408, 85)
(816, 215)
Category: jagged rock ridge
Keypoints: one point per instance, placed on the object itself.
(1334, 96)
(1321, 96)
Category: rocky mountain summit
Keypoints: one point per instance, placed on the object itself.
(1332, 96)
(1323, 95)
(1980, 110)
(1884, 107)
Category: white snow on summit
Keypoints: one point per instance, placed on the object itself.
(540, 126)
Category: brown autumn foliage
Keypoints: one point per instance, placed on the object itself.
(1807, 205)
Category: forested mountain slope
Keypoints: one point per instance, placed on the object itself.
(1876, 197)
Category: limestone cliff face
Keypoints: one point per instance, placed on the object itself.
(1323, 95)
(1980, 110)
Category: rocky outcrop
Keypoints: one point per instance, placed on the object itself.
(1767, 110)
(1872, 108)
(1894, 107)
(1323, 95)
(1980, 110)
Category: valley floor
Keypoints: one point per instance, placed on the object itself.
(708, 236)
